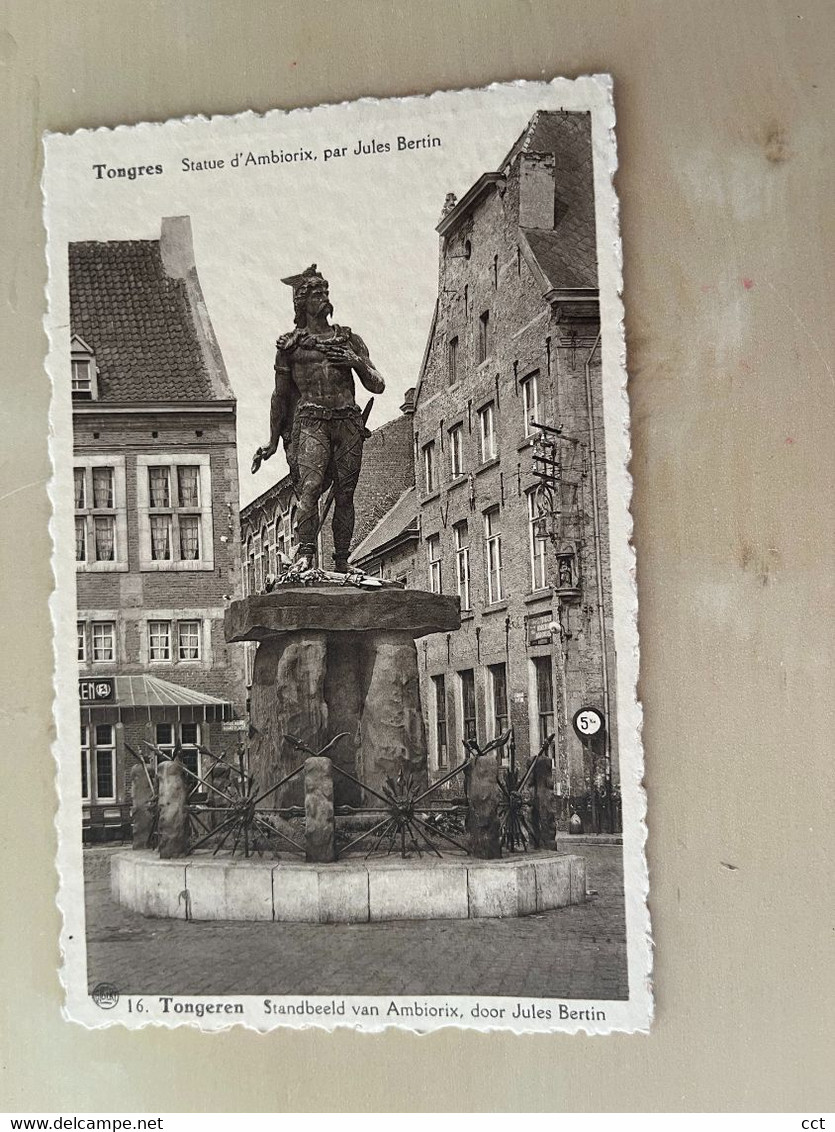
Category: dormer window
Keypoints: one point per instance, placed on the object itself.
(82, 381)
(83, 369)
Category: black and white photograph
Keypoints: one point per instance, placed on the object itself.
(345, 611)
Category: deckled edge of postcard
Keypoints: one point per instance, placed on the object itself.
(593, 93)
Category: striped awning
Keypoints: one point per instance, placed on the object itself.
(151, 691)
(157, 699)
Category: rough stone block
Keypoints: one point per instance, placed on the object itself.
(501, 890)
(483, 809)
(296, 894)
(230, 890)
(173, 810)
(553, 883)
(341, 609)
(143, 805)
(430, 893)
(544, 804)
(343, 896)
(393, 735)
(319, 827)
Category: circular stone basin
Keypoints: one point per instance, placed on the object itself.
(203, 887)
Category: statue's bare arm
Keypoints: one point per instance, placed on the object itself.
(280, 411)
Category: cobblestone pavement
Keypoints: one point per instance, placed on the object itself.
(576, 952)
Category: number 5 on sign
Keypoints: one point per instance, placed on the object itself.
(588, 722)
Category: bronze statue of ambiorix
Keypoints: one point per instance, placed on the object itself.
(314, 413)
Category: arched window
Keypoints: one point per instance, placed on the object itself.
(265, 551)
(250, 566)
(291, 533)
(259, 565)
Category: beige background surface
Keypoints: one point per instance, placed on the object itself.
(726, 189)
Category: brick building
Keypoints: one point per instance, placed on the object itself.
(515, 339)
(156, 509)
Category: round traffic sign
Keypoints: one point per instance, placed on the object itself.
(588, 722)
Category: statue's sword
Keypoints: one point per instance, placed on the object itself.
(326, 505)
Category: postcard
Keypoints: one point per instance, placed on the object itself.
(341, 530)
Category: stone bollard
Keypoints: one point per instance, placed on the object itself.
(544, 804)
(319, 825)
(483, 806)
(173, 810)
(143, 805)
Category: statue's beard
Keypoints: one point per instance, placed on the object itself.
(303, 317)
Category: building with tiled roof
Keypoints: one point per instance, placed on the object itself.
(388, 550)
(156, 510)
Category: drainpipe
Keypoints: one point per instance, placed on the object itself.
(598, 562)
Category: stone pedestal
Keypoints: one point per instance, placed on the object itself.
(173, 810)
(337, 659)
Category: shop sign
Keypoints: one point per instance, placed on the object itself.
(98, 691)
(539, 628)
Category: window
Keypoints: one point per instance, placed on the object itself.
(536, 545)
(82, 379)
(433, 547)
(493, 551)
(259, 565)
(484, 337)
(487, 431)
(105, 754)
(175, 512)
(163, 526)
(104, 641)
(429, 466)
(498, 698)
(456, 451)
(530, 401)
(103, 493)
(188, 486)
(441, 736)
(81, 629)
(80, 486)
(187, 736)
(189, 538)
(161, 538)
(495, 272)
(100, 515)
(80, 539)
(85, 763)
(452, 359)
(159, 640)
(544, 698)
(104, 528)
(250, 565)
(466, 681)
(159, 486)
(188, 640)
(461, 535)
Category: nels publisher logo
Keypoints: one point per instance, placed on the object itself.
(105, 996)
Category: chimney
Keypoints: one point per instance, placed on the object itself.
(536, 190)
(408, 406)
(176, 247)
